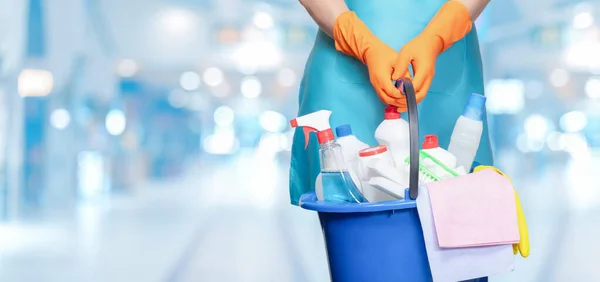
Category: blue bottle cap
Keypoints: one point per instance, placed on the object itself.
(343, 130)
(475, 107)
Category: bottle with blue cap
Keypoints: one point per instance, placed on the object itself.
(466, 136)
(350, 148)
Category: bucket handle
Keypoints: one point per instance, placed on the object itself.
(405, 85)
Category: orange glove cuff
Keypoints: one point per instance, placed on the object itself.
(451, 23)
(352, 36)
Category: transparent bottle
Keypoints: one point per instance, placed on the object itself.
(338, 186)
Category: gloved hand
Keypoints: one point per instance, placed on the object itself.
(523, 245)
(451, 23)
(352, 37)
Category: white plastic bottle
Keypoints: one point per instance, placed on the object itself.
(372, 156)
(350, 148)
(432, 147)
(466, 136)
(394, 134)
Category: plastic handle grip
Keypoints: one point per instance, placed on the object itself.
(406, 87)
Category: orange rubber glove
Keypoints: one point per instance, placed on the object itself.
(451, 23)
(352, 37)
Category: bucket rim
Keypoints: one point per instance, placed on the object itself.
(308, 201)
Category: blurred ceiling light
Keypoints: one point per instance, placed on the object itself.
(115, 122)
(580, 176)
(178, 21)
(285, 142)
(35, 83)
(60, 118)
(559, 77)
(224, 116)
(257, 55)
(90, 174)
(221, 143)
(583, 20)
(577, 146)
(535, 145)
(272, 121)
(592, 87)
(505, 96)
(127, 68)
(534, 89)
(250, 87)
(189, 81)
(289, 136)
(247, 69)
(286, 77)
(582, 55)
(556, 141)
(197, 102)
(574, 121)
(522, 144)
(213, 76)
(220, 91)
(178, 98)
(263, 20)
(536, 127)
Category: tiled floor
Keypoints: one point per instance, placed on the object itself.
(231, 222)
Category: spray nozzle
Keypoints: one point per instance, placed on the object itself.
(317, 121)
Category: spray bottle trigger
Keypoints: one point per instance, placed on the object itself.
(307, 130)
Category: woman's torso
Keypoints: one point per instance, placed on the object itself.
(340, 83)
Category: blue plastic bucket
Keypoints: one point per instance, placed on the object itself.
(372, 242)
(378, 242)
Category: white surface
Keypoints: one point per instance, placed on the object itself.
(208, 226)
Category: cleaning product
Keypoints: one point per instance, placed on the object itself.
(377, 154)
(387, 179)
(337, 183)
(461, 171)
(350, 148)
(394, 190)
(393, 133)
(431, 146)
(466, 136)
(431, 169)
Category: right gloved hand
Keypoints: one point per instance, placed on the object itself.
(352, 37)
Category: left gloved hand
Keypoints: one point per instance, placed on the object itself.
(352, 37)
(451, 23)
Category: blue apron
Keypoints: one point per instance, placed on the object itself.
(340, 83)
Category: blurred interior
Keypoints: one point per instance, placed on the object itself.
(149, 140)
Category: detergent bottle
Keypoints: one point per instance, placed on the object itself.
(393, 133)
(337, 185)
(466, 136)
(432, 147)
(350, 148)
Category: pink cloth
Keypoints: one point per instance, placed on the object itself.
(478, 209)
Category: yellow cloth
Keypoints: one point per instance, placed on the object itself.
(523, 245)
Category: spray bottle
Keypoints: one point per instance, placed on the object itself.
(336, 182)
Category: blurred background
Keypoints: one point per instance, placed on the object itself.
(148, 140)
